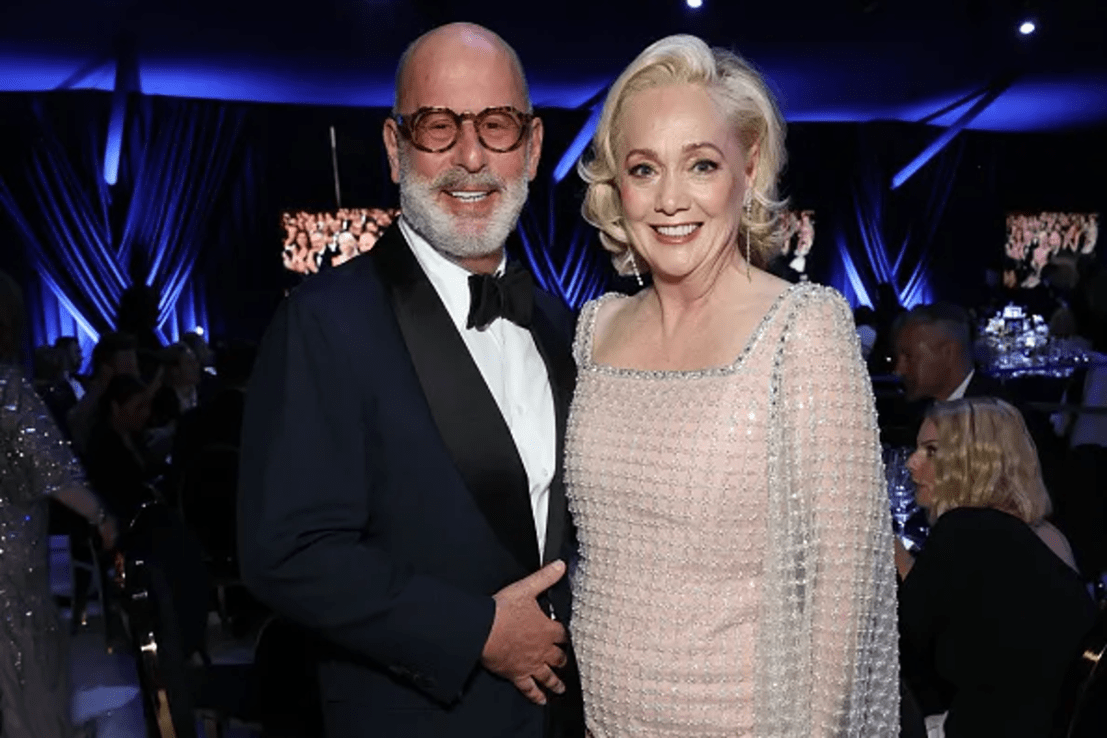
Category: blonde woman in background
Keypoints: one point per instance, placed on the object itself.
(736, 570)
(992, 611)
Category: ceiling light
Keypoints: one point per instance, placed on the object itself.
(694, 3)
(1027, 28)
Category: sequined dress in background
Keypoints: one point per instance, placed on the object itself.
(34, 666)
(736, 573)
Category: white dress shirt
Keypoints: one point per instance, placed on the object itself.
(512, 368)
(961, 388)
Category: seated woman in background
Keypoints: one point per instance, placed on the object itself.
(993, 611)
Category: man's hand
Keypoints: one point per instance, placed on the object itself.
(524, 643)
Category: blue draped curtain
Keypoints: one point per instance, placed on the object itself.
(87, 242)
(885, 235)
(562, 250)
(63, 220)
(175, 184)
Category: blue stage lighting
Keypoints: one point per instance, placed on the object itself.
(695, 3)
(114, 146)
(579, 144)
(1027, 28)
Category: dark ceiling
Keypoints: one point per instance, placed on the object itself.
(828, 59)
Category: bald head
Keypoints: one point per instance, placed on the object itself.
(464, 199)
(458, 49)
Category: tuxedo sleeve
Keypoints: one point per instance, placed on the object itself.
(306, 490)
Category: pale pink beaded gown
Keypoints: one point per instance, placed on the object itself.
(735, 574)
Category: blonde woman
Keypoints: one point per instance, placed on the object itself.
(993, 610)
(736, 573)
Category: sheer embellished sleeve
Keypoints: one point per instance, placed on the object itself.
(36, 453)
(837, 527)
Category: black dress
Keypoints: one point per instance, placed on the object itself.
(990, 620)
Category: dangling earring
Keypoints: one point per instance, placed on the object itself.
(747, 214)
(634, 267)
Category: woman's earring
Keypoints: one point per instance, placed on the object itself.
(634, 267)
(747, 214)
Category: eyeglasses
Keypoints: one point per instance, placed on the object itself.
(435, 130)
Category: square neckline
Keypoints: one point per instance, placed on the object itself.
(587, 344)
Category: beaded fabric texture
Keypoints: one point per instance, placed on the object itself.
(35, 461)
(736, 574)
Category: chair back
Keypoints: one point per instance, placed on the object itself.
(161, 666)
(1082, 708)
(157, 538)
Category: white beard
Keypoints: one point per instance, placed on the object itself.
(460, 237)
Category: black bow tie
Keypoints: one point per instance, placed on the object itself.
(510, 296)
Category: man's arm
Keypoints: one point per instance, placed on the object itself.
(305, 491)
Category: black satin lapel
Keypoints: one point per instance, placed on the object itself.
(562, 373)
(463, 408)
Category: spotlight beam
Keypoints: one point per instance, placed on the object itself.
(997, 89)
(83, 73)
(126, 81)
(953, 105)
(579, 144)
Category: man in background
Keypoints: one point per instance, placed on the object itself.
(70, 349)
(114, 354)
(934, 356)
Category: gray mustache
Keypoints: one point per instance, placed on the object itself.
(460, 179)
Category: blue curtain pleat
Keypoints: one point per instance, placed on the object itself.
(86, 249)
(873, 247)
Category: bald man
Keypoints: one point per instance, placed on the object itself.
(401, 491)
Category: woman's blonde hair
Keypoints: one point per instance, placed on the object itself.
(744, 99)
(986, 458)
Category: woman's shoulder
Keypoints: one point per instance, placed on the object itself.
(591, 320)
(590, 308)
(16, 391)
(11, 375)
(810, 301)
(817, 317)
(975, 519)
(1056, 542)
(977, 528)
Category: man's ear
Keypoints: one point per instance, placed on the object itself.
(535, 144)
(391, 135)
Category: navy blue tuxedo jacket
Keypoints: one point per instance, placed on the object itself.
(382, 502)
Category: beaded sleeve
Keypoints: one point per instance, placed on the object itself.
(829, 666)
(32, 444)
